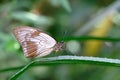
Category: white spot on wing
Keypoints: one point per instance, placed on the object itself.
(49, 41)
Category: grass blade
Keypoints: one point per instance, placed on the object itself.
(85, 38)
(68, 60)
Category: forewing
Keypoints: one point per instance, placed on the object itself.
(34, 42)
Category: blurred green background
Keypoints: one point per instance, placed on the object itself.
(62, 19)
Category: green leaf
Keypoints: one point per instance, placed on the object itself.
(68, 60)
(32, 18)
(66, 5)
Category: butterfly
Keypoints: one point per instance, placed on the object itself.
(35, 43)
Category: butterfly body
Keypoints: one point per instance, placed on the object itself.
(35, 42)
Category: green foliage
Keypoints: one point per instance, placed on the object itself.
(75, 18)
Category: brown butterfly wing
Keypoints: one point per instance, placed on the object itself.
(33, 41)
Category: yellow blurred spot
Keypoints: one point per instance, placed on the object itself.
(92, 47)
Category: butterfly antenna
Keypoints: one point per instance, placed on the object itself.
(64, 35)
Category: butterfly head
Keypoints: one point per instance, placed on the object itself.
(59, 46)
